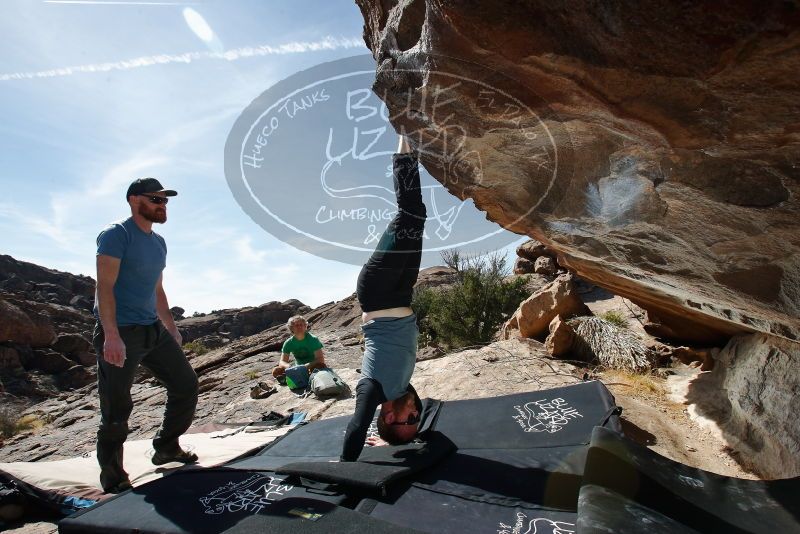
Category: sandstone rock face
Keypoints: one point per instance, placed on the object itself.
(652, 145)
(24, 326)
(523, 266)
(758, 375)
(691, 356)
(533, 316)
(560, 339)
(545, 265)
(436, 276)
(531, 250)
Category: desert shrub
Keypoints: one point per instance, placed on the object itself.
(469, 311)
(195, 346)
(10, 424)
(614, 317)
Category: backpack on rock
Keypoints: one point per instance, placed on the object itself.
(326, 383)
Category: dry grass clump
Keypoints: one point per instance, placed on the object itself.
(10, 424)
(641, 385)
(613, 347)
(195, 346)
(615, 317)
(252, 375)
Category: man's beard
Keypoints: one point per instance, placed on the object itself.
(157, 215)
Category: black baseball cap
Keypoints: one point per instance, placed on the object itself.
(141, 186)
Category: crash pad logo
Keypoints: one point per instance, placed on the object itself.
(545, 415)
(250, 495)
(524, 524)
(310, 159)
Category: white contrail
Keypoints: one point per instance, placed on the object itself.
(295, 47)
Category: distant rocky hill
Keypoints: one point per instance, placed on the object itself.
(45, 330)
(46, 325)
(46, 285)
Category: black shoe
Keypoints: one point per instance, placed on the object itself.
(119, 487)
(179, 456)
(262, 391)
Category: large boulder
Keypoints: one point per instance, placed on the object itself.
(76, 377)
(523, 266)
(761, 386)
(533, 317)
(14, 284)
(560, 338)
(84, 358)
(545, 265)
(9, 360)
(651, 145)
(531, 250)
(71, 343)
(436, 276)
(24, 326)
(50, 361)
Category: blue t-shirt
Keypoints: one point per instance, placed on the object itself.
(390, 353)
(142, 259)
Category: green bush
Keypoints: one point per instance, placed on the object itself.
(469, 311)
(195, 346)
(614, 317)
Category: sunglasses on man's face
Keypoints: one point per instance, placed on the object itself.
(413, 419)
(155, 199)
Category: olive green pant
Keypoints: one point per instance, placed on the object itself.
(154, 348)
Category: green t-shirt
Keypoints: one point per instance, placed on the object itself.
(302, 350)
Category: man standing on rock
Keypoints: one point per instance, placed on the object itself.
(135, 326)
(385, 286)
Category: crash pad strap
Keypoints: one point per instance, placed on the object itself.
(378, 466)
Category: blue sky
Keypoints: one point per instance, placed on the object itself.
(95, 94)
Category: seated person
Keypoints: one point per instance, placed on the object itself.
(303, 345)
(385, 287)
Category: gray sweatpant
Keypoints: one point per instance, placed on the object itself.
(154, 348)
